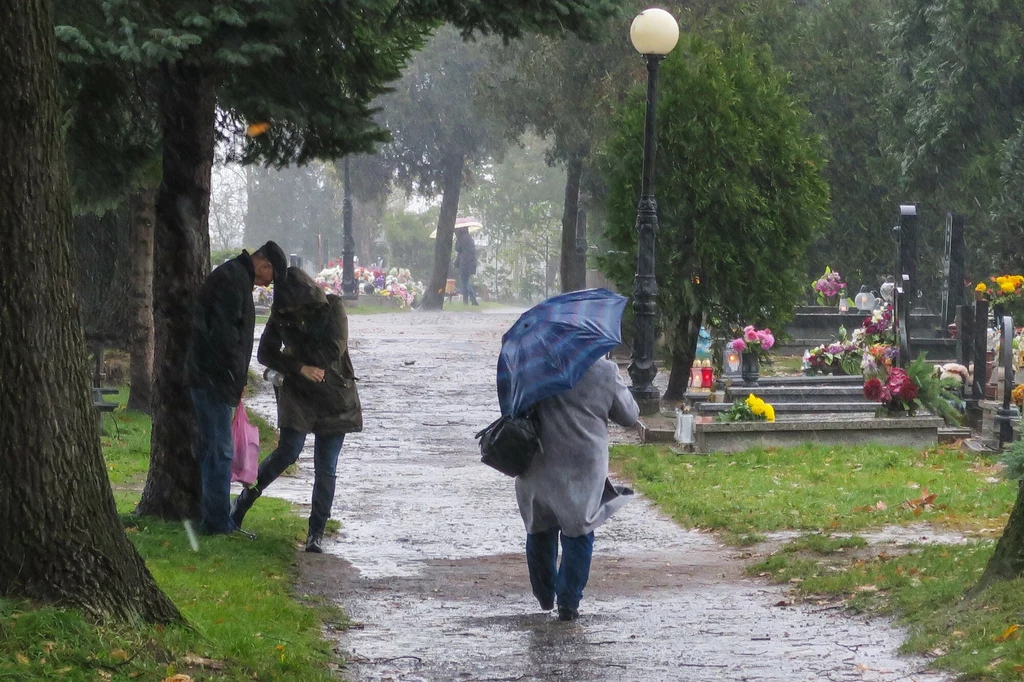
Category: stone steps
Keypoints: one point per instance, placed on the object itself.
(813, 380)
(841, 393)
(819, 409)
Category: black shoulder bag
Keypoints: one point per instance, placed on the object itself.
(509, 444)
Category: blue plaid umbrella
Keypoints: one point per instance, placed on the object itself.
(553, 344)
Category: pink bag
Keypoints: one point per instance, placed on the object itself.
(246, 461)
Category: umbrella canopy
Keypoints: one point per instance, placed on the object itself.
(554, 343)
(472, 224)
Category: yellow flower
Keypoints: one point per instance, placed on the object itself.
(769, 412)
(981, 288)
(1006, 285)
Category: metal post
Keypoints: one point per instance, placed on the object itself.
(349, 285)
(642, 369)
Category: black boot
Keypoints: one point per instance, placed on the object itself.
(315, 542)
(240, 507)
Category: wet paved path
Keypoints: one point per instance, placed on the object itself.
(430, 556)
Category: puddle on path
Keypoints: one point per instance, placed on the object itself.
(429, 559)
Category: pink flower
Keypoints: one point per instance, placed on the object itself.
(749, 335)
(768, 341)
(738, 345)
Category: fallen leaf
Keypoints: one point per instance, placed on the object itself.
(119, 655)
(1008, 634)
(193, 659)
(925, 502)
(867, 588)
(21, 658)
(257, 129)
(178, 678)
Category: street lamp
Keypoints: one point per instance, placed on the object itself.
(654, 33)
(349, 285)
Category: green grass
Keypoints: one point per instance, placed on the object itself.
(924, 590)
(782, 366)
(819, 488)
(823, 491)
(236, 595)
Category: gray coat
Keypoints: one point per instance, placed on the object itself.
(567, 486)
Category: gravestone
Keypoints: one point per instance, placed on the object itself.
(906, 278)
(953, 267)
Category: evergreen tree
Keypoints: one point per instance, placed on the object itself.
(740, 193)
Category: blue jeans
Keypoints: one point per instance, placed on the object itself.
(567, 580)
(215, 450)
(325, 464)
(466, 287)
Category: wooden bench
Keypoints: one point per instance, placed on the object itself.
(101, 406)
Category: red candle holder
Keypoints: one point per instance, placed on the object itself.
(706, 376)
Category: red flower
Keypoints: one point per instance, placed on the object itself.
(873, 389)
(901, 385)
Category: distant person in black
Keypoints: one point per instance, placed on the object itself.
(465, 263)
(217, 368)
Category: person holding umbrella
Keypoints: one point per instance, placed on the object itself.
(551, 362)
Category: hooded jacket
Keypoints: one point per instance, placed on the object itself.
(308, 327)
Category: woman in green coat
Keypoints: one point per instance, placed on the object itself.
(306, 341)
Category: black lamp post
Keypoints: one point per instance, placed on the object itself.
(349, 285)
(654, 33)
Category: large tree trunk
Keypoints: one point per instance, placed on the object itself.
(1007, 561)
(433, 299)
(684, 345)
(182, 258)
(143, 222)
(569, 266)
(61, 537)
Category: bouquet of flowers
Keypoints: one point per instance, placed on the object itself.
(1005, 291)
(828, 287)
(1017, 397)
(753, 409)
(907, 390)
(878, 359)
(878, 327)
(839, 358)
(753, 340)
(396, 283)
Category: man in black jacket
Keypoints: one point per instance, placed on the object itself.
(223, 322)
